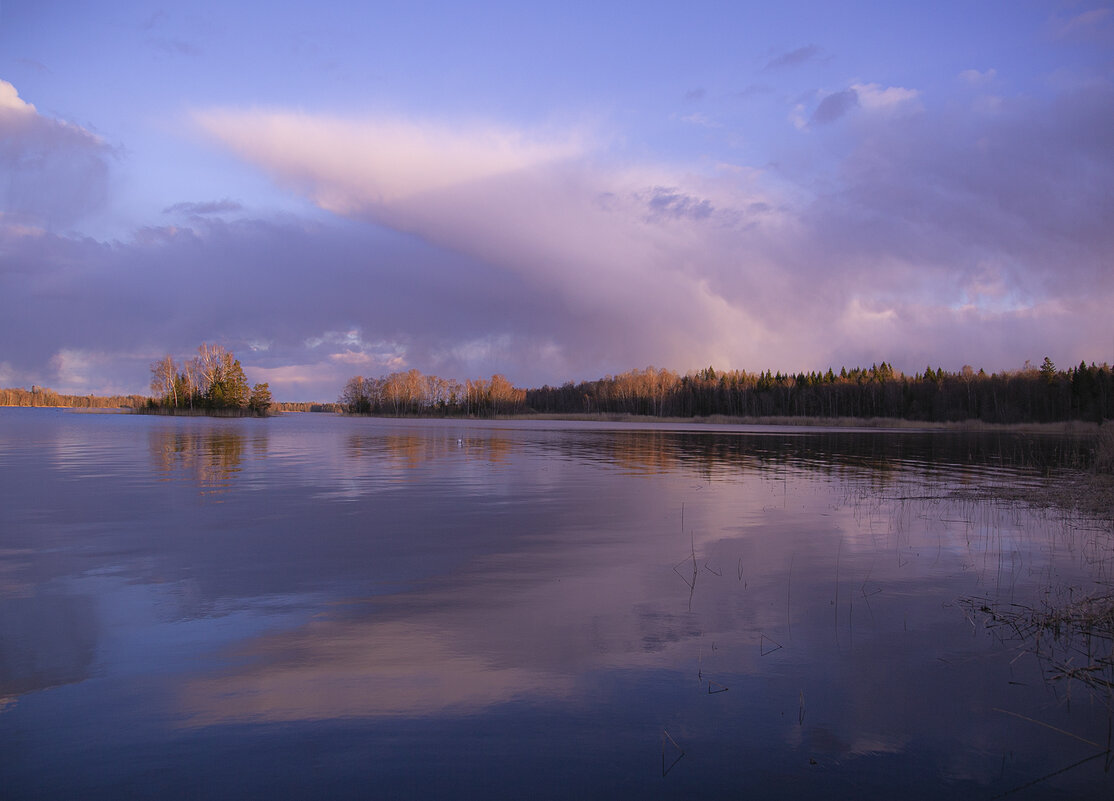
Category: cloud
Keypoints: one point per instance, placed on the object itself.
(581, 238)
(752, 90)
(33, 65)
(794, 58)
(873, 97)
(203, 208)
(465, 250)
(167, 44)
(834, 106)
(668, 202)
(353, 350)
(984, 236)
(703, 120)
(1084, 23)
(10, 101)
(380, 161)
(870, 97)
(639, 264)
(82, 371)
(328, 301)
(1025, 184)
(9, 376)
(977, 78)
(56, 172)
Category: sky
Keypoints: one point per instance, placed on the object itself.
(553, 192)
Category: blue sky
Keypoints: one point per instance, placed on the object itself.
(551, 192)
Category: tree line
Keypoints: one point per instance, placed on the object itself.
(305, 406)
(412, 393)
(212, 381)
(42, 396)
(1031, 394)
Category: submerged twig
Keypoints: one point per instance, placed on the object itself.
(1048, 776)
(762, 649)
(664, 768)
(1046, 725)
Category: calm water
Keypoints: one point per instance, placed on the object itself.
(320, 607)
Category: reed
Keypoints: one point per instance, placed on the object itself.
(767, 645)
(1074, 639)
(677, 751)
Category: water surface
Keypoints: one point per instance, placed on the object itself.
(317, 606)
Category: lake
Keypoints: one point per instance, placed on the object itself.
(314, 606)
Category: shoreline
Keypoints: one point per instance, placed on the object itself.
(1061, 427)
(172, 412)
(1074, 427)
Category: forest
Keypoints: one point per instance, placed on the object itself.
(1031, 394)
(41, 396)
(412, 393)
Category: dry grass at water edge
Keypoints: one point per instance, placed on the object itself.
(1104, 450)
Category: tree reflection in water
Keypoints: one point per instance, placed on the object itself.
(210, 457)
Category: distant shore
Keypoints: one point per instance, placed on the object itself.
(1075, 427)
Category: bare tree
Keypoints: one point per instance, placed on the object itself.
(164, 379)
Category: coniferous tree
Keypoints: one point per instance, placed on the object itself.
(260, 402)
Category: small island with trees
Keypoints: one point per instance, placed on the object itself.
(211, 383)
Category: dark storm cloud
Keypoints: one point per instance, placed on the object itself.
(285, 298)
